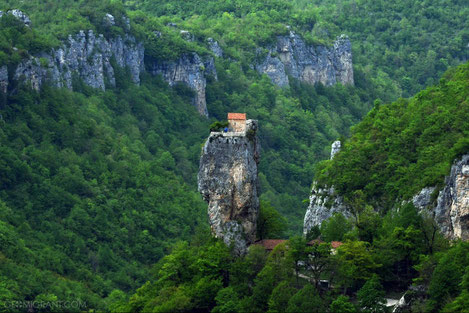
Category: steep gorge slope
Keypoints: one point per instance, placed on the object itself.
(97, 184)
(99, 157)
(402, 152)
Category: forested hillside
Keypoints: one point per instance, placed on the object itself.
(402, 147)
(405, 146)
(96, 186)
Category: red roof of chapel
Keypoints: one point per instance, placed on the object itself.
(236, 116)
(270, 244)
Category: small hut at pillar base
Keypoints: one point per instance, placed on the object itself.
(237, 122)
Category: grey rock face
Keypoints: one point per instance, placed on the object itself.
(86, 55)
(3, 79)
(215, 47)
(190, 69)
(323, 202)
(452, 210)
(21, 16)
(342, 56)
(423, 199)
(186, 35)
(228, 181)
(310, 64)
(335, 148)
(109, 20)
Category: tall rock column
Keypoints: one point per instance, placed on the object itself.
(228, 181)
(324, 202)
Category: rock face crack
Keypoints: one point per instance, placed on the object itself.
(228, 181)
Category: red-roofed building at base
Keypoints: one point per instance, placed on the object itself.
(334, 244)
(237, 122)
(270, 244)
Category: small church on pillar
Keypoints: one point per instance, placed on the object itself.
(237, 122)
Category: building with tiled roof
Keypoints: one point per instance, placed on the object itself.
(270, 244)
(237, 122)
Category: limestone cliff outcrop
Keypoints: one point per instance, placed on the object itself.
(324, 202)
(3, 79)
(86, 55)
(451, 211)
(292, 56)
(228, 181)
(190, 69)
(92, 57)
(19, 15)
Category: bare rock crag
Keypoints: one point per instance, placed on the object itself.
(451, 210)
(228, 181)
(292, 56)
(93, 59)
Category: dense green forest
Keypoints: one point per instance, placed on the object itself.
(383, 252)
(90, 190)
(297, 123)
(97, 186)
(400, 148)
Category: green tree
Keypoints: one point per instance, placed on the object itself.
(227, 301)
(356, 263)
(306, 300)
(335, 227)
(447, 276)
(371, 297)
(342, 304)
(297, 252)
(319, 261)
(205, 291)
(270, 224)
(280, 296)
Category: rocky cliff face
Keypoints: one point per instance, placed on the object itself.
(215, 47)
(86, 55)
(190, 69)
(3, 79)
(323, 202)
(228, 181)
(451, 211)
(19, 15)
(307, 63)
(90, 57)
